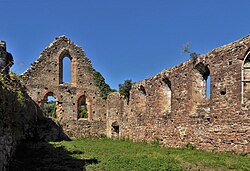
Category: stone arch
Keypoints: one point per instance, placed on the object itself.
(66, 54)
(201, 81)
(245, 82)
(167, 95)
(84, 109)
(50, 108)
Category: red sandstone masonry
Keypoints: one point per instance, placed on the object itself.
(170, 107)
(220, 123)
(45, 78)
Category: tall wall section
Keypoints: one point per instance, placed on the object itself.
(175, 108)
(45, 78)
(18, 117)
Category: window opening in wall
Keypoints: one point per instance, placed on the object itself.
(142, 90)
(66, 69)
(167, 93)
(82, 108)
(246, 80)
(208, 87)
(201, 82)
(49, 108)
(115, 128)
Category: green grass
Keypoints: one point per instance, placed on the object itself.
(126, 155)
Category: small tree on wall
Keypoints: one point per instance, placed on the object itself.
(124, 89)
(186, 49)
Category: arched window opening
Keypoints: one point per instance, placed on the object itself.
(49, 107)
(208, 87)
(201, 83)
(142, 90)
(167, 94)
(82, 108)
(246, 80)
(66, 67)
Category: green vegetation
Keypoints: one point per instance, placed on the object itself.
(49, 109)
(12, 83)
(124, 89)
(186, 49)
(103, 86)
(126, 155)
(83, 112)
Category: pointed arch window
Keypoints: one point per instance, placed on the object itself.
(246, 80)
(66, 68)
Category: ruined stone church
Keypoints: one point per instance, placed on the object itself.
(172, 107)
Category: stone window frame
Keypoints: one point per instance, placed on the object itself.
(63, 54)
(166, 83)
(45, 99)
(88, 105)
(142, 90)
(243, 81)
(204, 71)
(200, 73)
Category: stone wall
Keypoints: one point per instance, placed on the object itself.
(21, 118)
(174, 108)
(45, 77)
(18, 115)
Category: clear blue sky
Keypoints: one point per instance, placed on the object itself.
(132, 39)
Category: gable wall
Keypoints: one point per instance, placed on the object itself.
(44, 78)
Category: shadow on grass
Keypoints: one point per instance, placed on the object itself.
(42, 156)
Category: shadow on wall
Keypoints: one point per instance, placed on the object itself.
(21, 120)
(35, 153)
(45, 129)
(44, 156)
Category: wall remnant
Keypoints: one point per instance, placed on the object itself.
(21, 120)
(176, 108)
(46, 76)
(172, 107)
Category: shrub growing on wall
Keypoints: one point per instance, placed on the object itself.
(103, 86)
(124, 89)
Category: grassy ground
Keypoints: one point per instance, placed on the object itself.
(117, 155)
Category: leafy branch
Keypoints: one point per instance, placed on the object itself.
(186, 49)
